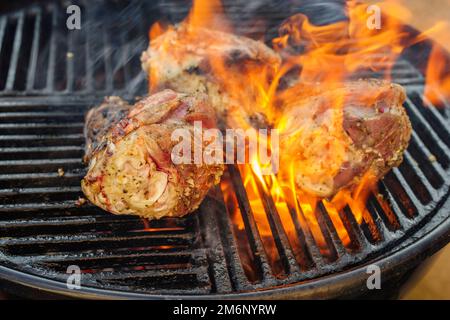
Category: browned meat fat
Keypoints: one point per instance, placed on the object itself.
(101, 119)
(335, 134)
(130, 167)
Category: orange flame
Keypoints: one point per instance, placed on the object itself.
(156, 30)
(330, 54)
(336, 51)
(438, 76)
(208, 14)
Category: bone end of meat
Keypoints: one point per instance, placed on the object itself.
(337, 134)
(131, 171)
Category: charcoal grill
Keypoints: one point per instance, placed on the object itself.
(50, 76)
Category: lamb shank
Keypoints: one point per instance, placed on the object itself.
(129, 154)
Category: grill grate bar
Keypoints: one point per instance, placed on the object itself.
(329, 231)
(277, 230)
(381, 227)
(306, 246)
(3, 22)
(250, 223)
(34, 137)
(50, 213)
(420, 173)
(390, 218)
(91, 240)
(436, 114)
(331, 254)
(414, 180)
(88, 61)
(105, 276)
(403, 182)
(87, 224)
(433, 115)
(70, 63)
(88, 259)
(37, 176)
(42, 106)
(198, 277)
(354, 230)
(41, 116)
(443, 102)
(94, 54)
(125, 56)
(403, 219)
(40, 162)
(40, 190)
(434, 164)
(231, 252)
(139, 83)
(412, 107)
(107, 52)
(67, 204)
(57, 152)
(68, 221)
(217, 264)
(93, 212)
(39, 165)
(310, 243)
(15, 53)
(47, 180)
(27, 195)
(40, 126)
(34, 50)
(96, 217)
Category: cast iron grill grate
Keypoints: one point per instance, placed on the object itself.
(44, 94)
(41, 56)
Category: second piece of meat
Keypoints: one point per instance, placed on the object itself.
(334, 134)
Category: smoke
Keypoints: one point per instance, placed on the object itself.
(103, 57)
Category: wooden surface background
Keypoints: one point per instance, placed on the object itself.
(435, 282)
(429, 16)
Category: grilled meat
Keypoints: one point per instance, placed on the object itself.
(191, 60)
(338, 133)
(130, 166)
